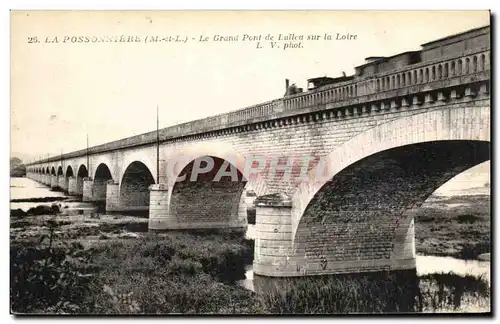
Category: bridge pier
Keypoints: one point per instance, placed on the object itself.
(159, 217)
(87, 194)
(218, 212)
(404, 244)
(72, 186)
(79, 185)
(54, 182)
(273, 255)
(62, 183)
(99, 190)
(277, 255)
(113, 196)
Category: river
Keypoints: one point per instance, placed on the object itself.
(25, 189)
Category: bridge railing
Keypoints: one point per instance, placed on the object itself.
(466, 63)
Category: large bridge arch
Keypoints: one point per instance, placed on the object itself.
(208, 199)
(204, 202)
(366, 186)
(101, 177)
(452, 124)
(134, 186)
(176, 163)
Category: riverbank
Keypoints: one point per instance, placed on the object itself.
(458, 226)
(69, 264)
(85, 262)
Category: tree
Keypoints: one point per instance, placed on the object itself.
(17, 168)
(15, 162)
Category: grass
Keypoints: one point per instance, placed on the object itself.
(365, 293)
(462, 231)
(177, 273)
(166, 275)
(194, 273)
(442, 291)
(383, 292)
(56, 270)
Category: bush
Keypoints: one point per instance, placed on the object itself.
(48, 279)
(178, 273)
(468, 218)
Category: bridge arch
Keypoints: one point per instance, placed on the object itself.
(68, 174)
(81, 174)
(101, 177)
(367, 185)
(144, 156)
(53, 171)
(208, 199)
(231, 211)
(218, 150)
(69, 171)
(134, 186)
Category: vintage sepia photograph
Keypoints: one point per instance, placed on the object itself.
(250, 162)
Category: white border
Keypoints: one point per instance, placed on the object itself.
(191, 4)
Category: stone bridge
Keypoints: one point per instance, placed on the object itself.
(382, 140)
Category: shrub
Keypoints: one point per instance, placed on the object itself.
(48, 279)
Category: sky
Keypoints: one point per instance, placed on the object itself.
(60, 92)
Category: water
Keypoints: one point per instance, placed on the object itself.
(24, 188)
